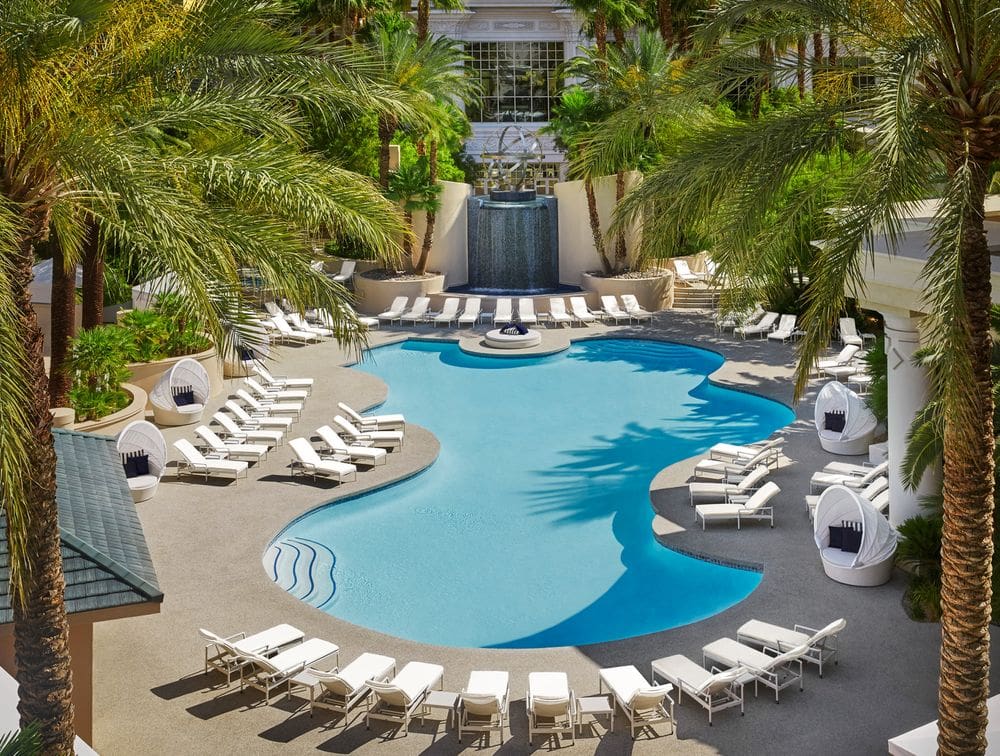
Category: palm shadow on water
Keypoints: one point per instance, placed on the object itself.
(609, 478)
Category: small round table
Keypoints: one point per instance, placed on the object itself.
(499, 340)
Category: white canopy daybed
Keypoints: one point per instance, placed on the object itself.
(872, 564)
(179, 397)
(144, 456)
(859, 423)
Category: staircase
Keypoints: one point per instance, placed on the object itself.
(304, 568)
(695, 297)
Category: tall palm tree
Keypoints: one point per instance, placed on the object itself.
(84, 82)
(935, 109)
(424, 14)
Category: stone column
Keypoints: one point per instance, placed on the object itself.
(908, 390)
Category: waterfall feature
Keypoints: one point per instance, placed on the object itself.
(513, 243)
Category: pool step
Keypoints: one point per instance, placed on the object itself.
(304, 568)
(695, 297)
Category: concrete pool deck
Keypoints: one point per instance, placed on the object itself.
(207, 541)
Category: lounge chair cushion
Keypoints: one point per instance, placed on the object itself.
(493, 684)
(142, 482)
(416, 677)
(366, 667)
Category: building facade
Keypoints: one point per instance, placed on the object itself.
(515, 48)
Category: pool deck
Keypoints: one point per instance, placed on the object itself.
(207, 541)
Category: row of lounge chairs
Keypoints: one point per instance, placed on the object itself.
(400, 311)
(730, 484)
(871, 482)
(280, 658)
(342, 450)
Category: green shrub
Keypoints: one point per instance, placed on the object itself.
(877, 398)
(148, 333)
(185, 331)
(924, 599)
(98, 363)
(919, 550)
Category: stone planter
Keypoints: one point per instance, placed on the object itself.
(116, 421)
(146, 374)
(375, 296)
(654, 292)
(63, 417)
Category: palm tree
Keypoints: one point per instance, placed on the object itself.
(424, 14)
(426, 73)
(84, 84)
(934, 110)
(415, 189)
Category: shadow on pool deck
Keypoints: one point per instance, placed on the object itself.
(207, 543)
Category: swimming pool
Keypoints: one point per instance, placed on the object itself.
(532, 528)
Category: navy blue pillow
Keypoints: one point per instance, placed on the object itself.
(511, 329)
(141, 464)
(837, 536)
(521, 329)
(834, 421)
(247, 354)
(852, 541)
(183, 398)
(128, 462)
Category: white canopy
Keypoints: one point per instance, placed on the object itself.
(859, 422)
(41, 283)
(878, 538)
(143, 436)
(144, 295)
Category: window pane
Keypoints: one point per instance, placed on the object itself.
(518, 79)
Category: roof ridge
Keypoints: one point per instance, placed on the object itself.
(149, 590)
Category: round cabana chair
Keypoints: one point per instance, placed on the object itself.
(240, 363)
(144, 456)
(844, 422)
(872, 564)
(179, 397)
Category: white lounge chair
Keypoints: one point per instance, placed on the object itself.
(705, 492)
(223, 653)
(756, 507)
(326, 319)
(760, 328)
(295, 320)
(734, 318)
(876, 486)
(581, 312)
(396, 310)
(287, 333)
(526, 311)
(384, 439)
(143, 452)
(785, 329)
(268, 673)
(268, 407)
(551, 705)
(364, 455)
(644, 704)
(417, 313)
(266, 394)
(844, 357)
(195, 463)
(346, 272)
(733, 453)
(400, 698)
(181, 393)
(274, 310)
(632, 307)
(341, 690)
(470, 315)
(281, 382)
(449, 312)
(374, 422)
(557, 311)
(824, 479)
(612, 310)
(849, 333)
(776, 672)
(257, 419)
(684, 272)
(714, 689)
(234, 450)
(503, 310)
(730, 472)
(482, 705)
(308, 462)
(823, 643)
(229, 429)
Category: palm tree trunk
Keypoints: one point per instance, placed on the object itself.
(423, 19)
(63, 325)
(621, 253)
(665, 21)
(967, 533)
(817, 61)
(800, 67)
(41, 629)
(425, 247)
(386, 128)
(760, 86)
(93, 279)
(595, 225)
(832, 54)
(408, 238)
(601, 31)
(619, 35)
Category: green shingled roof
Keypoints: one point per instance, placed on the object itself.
(105, 557)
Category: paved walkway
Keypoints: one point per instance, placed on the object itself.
(207, 542)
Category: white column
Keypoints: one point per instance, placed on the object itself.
(908, 390)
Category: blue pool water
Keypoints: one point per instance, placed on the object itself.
(532, 528)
